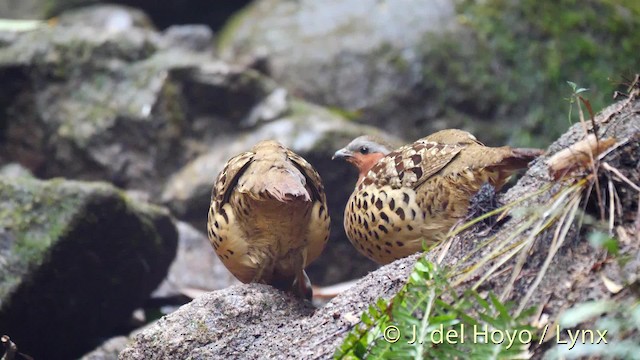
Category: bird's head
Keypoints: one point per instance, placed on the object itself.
(363, 152)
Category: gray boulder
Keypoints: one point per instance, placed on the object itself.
(196, 268)
(76, 260)
(106, 17)
(365, 57)
(36, 9)
(241, 322)
(108, 350)
(415, 66)
(164, 14)
(119, 103)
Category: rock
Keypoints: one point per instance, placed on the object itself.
(195, 267)
(220, 98)
(15, 170)
(274, 106)
(112, 347)
(36, 9)
(93, 116)
(105, 17)
(108, 350)
(315, 134)
(76, 260)
(196, 38)
(122, 106)
(164, 14)
(360, 56)
(257, 321)
(171, 12)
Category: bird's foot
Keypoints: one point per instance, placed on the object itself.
(301, 286)
(484, 201)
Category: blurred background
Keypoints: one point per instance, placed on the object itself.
(151, 98)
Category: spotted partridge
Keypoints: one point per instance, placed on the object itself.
(268, 217)
(419, 191)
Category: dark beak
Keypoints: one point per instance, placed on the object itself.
(342, 154)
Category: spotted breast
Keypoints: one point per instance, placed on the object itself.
(268, 217)
(416, 193)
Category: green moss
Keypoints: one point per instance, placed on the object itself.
(36, 216)
(344, 113)
(302, 109)
(229, 29)
(524, 51)
(33, 231)
(202, 327)
(39, 213)
(55, 7)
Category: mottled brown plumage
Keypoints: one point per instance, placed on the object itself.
(419, 191)
(268, 217)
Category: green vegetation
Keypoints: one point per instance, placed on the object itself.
(519, 54)
(428, 319)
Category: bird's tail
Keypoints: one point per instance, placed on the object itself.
(518, 158)
(286, 186)
(279, 183)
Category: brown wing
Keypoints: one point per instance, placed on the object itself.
(223, 231)
(311, 175)
(319, 226)
(453, 136)
(228, 178)
(411, 165)
(477, 156)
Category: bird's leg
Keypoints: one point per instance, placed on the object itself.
(265, 263)
(480, 203)
(484, 201)
(301, 285)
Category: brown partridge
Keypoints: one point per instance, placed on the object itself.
(268, 217)
(419, 191)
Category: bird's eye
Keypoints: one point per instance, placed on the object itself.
(364, 150)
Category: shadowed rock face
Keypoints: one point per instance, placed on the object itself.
(365, 57)
(77, 259)
(162, 14)
(171, 12)
(196, 266)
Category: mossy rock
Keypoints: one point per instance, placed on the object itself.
(77, 258)
(121, 106)
(37, 9)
